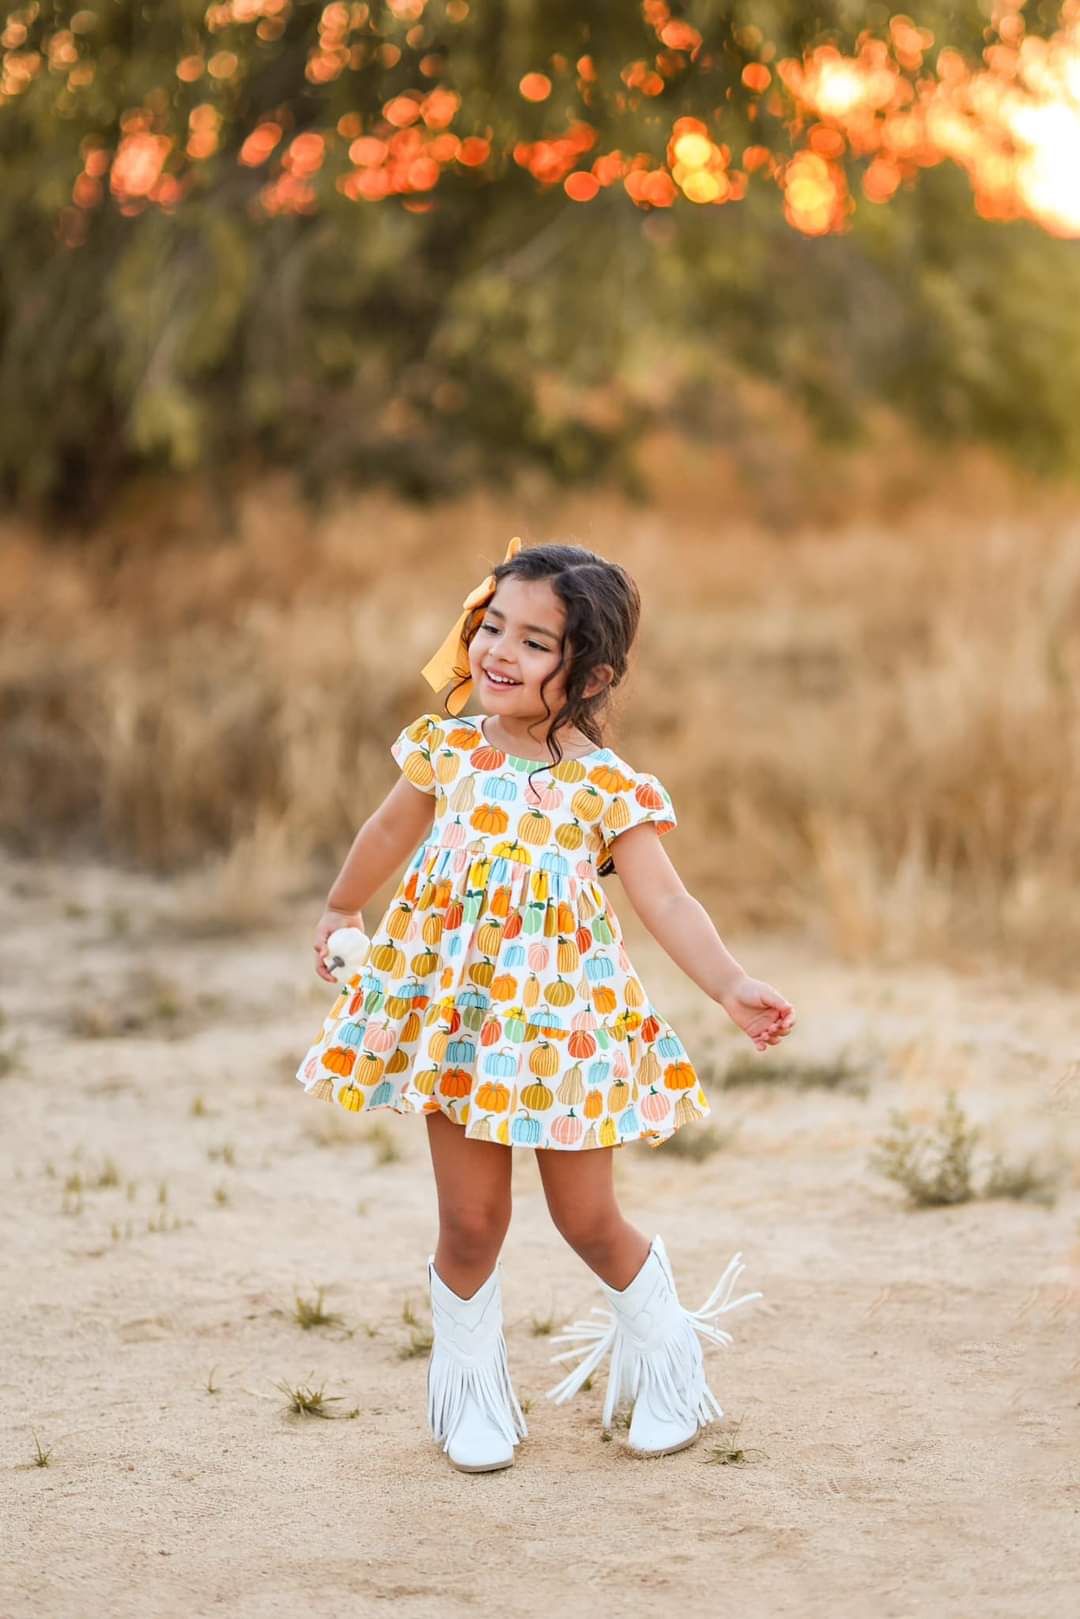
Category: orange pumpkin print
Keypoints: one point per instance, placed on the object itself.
(498, 990)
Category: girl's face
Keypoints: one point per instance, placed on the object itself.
(521, 638)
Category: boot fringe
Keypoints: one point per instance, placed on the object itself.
(674, 1375)
(449, 1383)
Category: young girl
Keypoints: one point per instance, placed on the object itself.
(498, 999)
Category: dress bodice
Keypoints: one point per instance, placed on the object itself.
(506, 810)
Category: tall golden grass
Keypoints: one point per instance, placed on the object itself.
(865, 707)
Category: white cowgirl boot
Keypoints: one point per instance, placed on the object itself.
(656, 1359)
(472, 1408)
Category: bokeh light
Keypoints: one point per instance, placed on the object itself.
(833, 130)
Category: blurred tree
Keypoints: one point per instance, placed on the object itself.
(421, 239)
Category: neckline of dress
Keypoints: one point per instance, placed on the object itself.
(521, 758)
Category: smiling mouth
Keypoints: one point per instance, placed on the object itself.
(504, 685)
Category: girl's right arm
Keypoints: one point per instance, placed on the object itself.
(388, 835)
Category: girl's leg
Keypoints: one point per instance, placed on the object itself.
(580, 1193)
(472, 1179)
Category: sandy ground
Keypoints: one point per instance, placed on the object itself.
(907, 1393)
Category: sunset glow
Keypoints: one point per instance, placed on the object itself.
(1013, 125)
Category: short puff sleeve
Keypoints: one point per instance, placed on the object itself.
(414, 748)
(644, 799)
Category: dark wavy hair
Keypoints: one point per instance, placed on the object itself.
(603, 608)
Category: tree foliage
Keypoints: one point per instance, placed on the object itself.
(422, 239)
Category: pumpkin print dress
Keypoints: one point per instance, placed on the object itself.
(497, 989)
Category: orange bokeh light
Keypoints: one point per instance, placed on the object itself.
(402, 110)
(367, 152)
(259, 144)
(535, 86)
(581, 186)
(474, 151)
(815, 194)
(138, 163)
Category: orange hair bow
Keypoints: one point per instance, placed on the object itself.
(447, 663)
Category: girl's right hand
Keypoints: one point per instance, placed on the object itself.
(329, 923)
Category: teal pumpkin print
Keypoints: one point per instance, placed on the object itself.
(628, 1125)
(508, 964)
(502, 788)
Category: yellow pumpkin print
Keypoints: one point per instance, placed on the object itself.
(500, 961)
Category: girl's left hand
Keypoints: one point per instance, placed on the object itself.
(760, 1011)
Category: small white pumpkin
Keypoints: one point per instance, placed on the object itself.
(347, 949)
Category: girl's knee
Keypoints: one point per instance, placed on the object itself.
(474, 1231)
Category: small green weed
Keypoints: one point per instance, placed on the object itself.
(936, 1167)
(76, 1183)
(308, 1402)
(310, 1313)
(728, 1453)
(421, 1337)
(1025, 1181)
(12, 1060)
(420, 1342)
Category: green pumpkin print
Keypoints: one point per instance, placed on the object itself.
(474, 984)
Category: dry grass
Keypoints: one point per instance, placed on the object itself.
(870, 729)
(830, 1073)
(938, 1167)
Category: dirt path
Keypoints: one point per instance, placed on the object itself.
(908, 1391)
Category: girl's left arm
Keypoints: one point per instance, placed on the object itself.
(682, 926)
